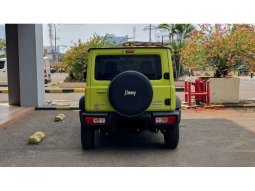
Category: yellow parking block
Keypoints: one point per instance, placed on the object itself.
(60, 117)
(5, 91)
(36, 137)
(79, 90)
(183, 106)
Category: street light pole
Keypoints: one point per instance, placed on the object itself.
(150, 33)
(55, 38)
(150, 28)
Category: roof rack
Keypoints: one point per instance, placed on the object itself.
(143, 44)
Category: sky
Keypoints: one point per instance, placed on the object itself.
(72, 32)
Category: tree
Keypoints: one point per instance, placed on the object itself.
(182, 32)
(76, 59)
(2, 47)
(226, 46)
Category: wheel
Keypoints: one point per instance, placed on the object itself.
(171, 137)
(87, 138)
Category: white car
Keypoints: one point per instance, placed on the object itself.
(3, 71)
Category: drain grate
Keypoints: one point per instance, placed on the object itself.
(62, 103)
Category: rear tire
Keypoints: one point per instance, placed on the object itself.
(171, 137)
(87, 138)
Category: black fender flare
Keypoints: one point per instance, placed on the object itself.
(82, 103)
(178, 103)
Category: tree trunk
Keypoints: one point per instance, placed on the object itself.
(179, 72)
(175, 67)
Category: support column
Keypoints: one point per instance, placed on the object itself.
(30, 64)
(12, 50)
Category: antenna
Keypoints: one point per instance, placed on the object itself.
(134, 33)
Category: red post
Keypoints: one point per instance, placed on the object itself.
(208, 92)
(186, 91)
(203, 90)
(189, 90)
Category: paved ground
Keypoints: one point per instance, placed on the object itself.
(57, 77)
(207, 138)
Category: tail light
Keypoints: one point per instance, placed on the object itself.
(45, 75)
(165, 120)
(95, 120)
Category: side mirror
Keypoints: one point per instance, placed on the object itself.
(85, 75)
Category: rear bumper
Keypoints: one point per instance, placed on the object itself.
(112, 119)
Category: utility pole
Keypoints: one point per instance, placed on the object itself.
(134, 33)
(150, 28)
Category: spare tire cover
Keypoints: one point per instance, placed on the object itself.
(130, 93)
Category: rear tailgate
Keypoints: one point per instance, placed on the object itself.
(97, 89)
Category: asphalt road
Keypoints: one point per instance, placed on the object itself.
(211, 138)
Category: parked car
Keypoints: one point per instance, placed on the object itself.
(53, 70)
(3, 71)
(130, 89)
(47, 71)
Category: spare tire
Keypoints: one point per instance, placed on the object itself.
(130, 93)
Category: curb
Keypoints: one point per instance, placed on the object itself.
(182, 106)
(4, 91)
(56, 108)
(222, 106)
(78, 90)
(179, 89)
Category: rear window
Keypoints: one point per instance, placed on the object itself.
(2, 64)
(107, 67)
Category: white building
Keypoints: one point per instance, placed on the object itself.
(162, 33)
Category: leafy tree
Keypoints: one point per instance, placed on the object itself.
(221, 46)
(2, 47)
(76, 58)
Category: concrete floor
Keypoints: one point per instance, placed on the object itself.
(208, 138)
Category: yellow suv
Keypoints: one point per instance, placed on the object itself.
(131, 89)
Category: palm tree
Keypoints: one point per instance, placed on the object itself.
(181, 32)
(171, 29)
